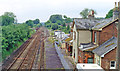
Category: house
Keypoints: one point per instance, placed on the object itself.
(82, 39)
(59, 34)
(106, 29)
(105, 35)
(105, 54)
(103, 31)
(69, 46)
(64, 42)
(90, 33)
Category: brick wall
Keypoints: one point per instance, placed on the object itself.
(105, 61)
(106, 33)
(80, 56)
(84, 55)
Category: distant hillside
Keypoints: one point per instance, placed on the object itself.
(57, 22)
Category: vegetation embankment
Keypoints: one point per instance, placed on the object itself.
(15, 34)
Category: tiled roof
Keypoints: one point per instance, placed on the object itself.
(102, 23)
(85, 23)
(106, 47)
(94, 24)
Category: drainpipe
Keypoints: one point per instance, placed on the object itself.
(77, 45)
(118, 43)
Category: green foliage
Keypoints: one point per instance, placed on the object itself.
(84, 13)
(8, 18)
(65, 16)
(54, 18)
(13, 36)
(55, 26)
(10, 14)
(64, 25)
(59, 22)
(48, 24)
(68, 20)
(29, 23)
(68, 27)
(59, 27)
(56, 22)
(110, 14)
(36, 21)
(38, 25)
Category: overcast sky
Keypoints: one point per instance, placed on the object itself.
(42, 9)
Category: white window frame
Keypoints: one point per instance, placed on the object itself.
(114, 66)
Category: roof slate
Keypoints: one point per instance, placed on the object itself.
(102, 23)
(106, 47)
(91, 23)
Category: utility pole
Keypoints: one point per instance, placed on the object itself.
(118, 42)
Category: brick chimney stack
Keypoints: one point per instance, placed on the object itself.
(115, 12)
(91, 14)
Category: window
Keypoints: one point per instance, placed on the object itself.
(95, 37)
(90, 60)
(112, 64)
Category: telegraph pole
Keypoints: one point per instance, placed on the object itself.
(118, 42)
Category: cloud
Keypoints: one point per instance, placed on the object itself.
(42, 9)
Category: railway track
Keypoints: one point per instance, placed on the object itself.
(32, 56)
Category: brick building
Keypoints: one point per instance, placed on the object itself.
(105, 55)
(104, 31)
(82, 41)
(106, 37)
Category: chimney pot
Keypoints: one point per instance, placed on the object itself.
(116, 11)
(118, 5)
(115, 4)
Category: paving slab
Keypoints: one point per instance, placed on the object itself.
(52, 60)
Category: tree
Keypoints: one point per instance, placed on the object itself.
(84, 13)
(36, 21)
(54, 18)
(109, 14)
(12, 15)
(30, 23)
(13, 36)
(68, 20)
(48, 24)
(8, 18)
(64, 25)
(59, 27)
(58, 22)
(65, 16)
(68, 27)
(55, 26)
